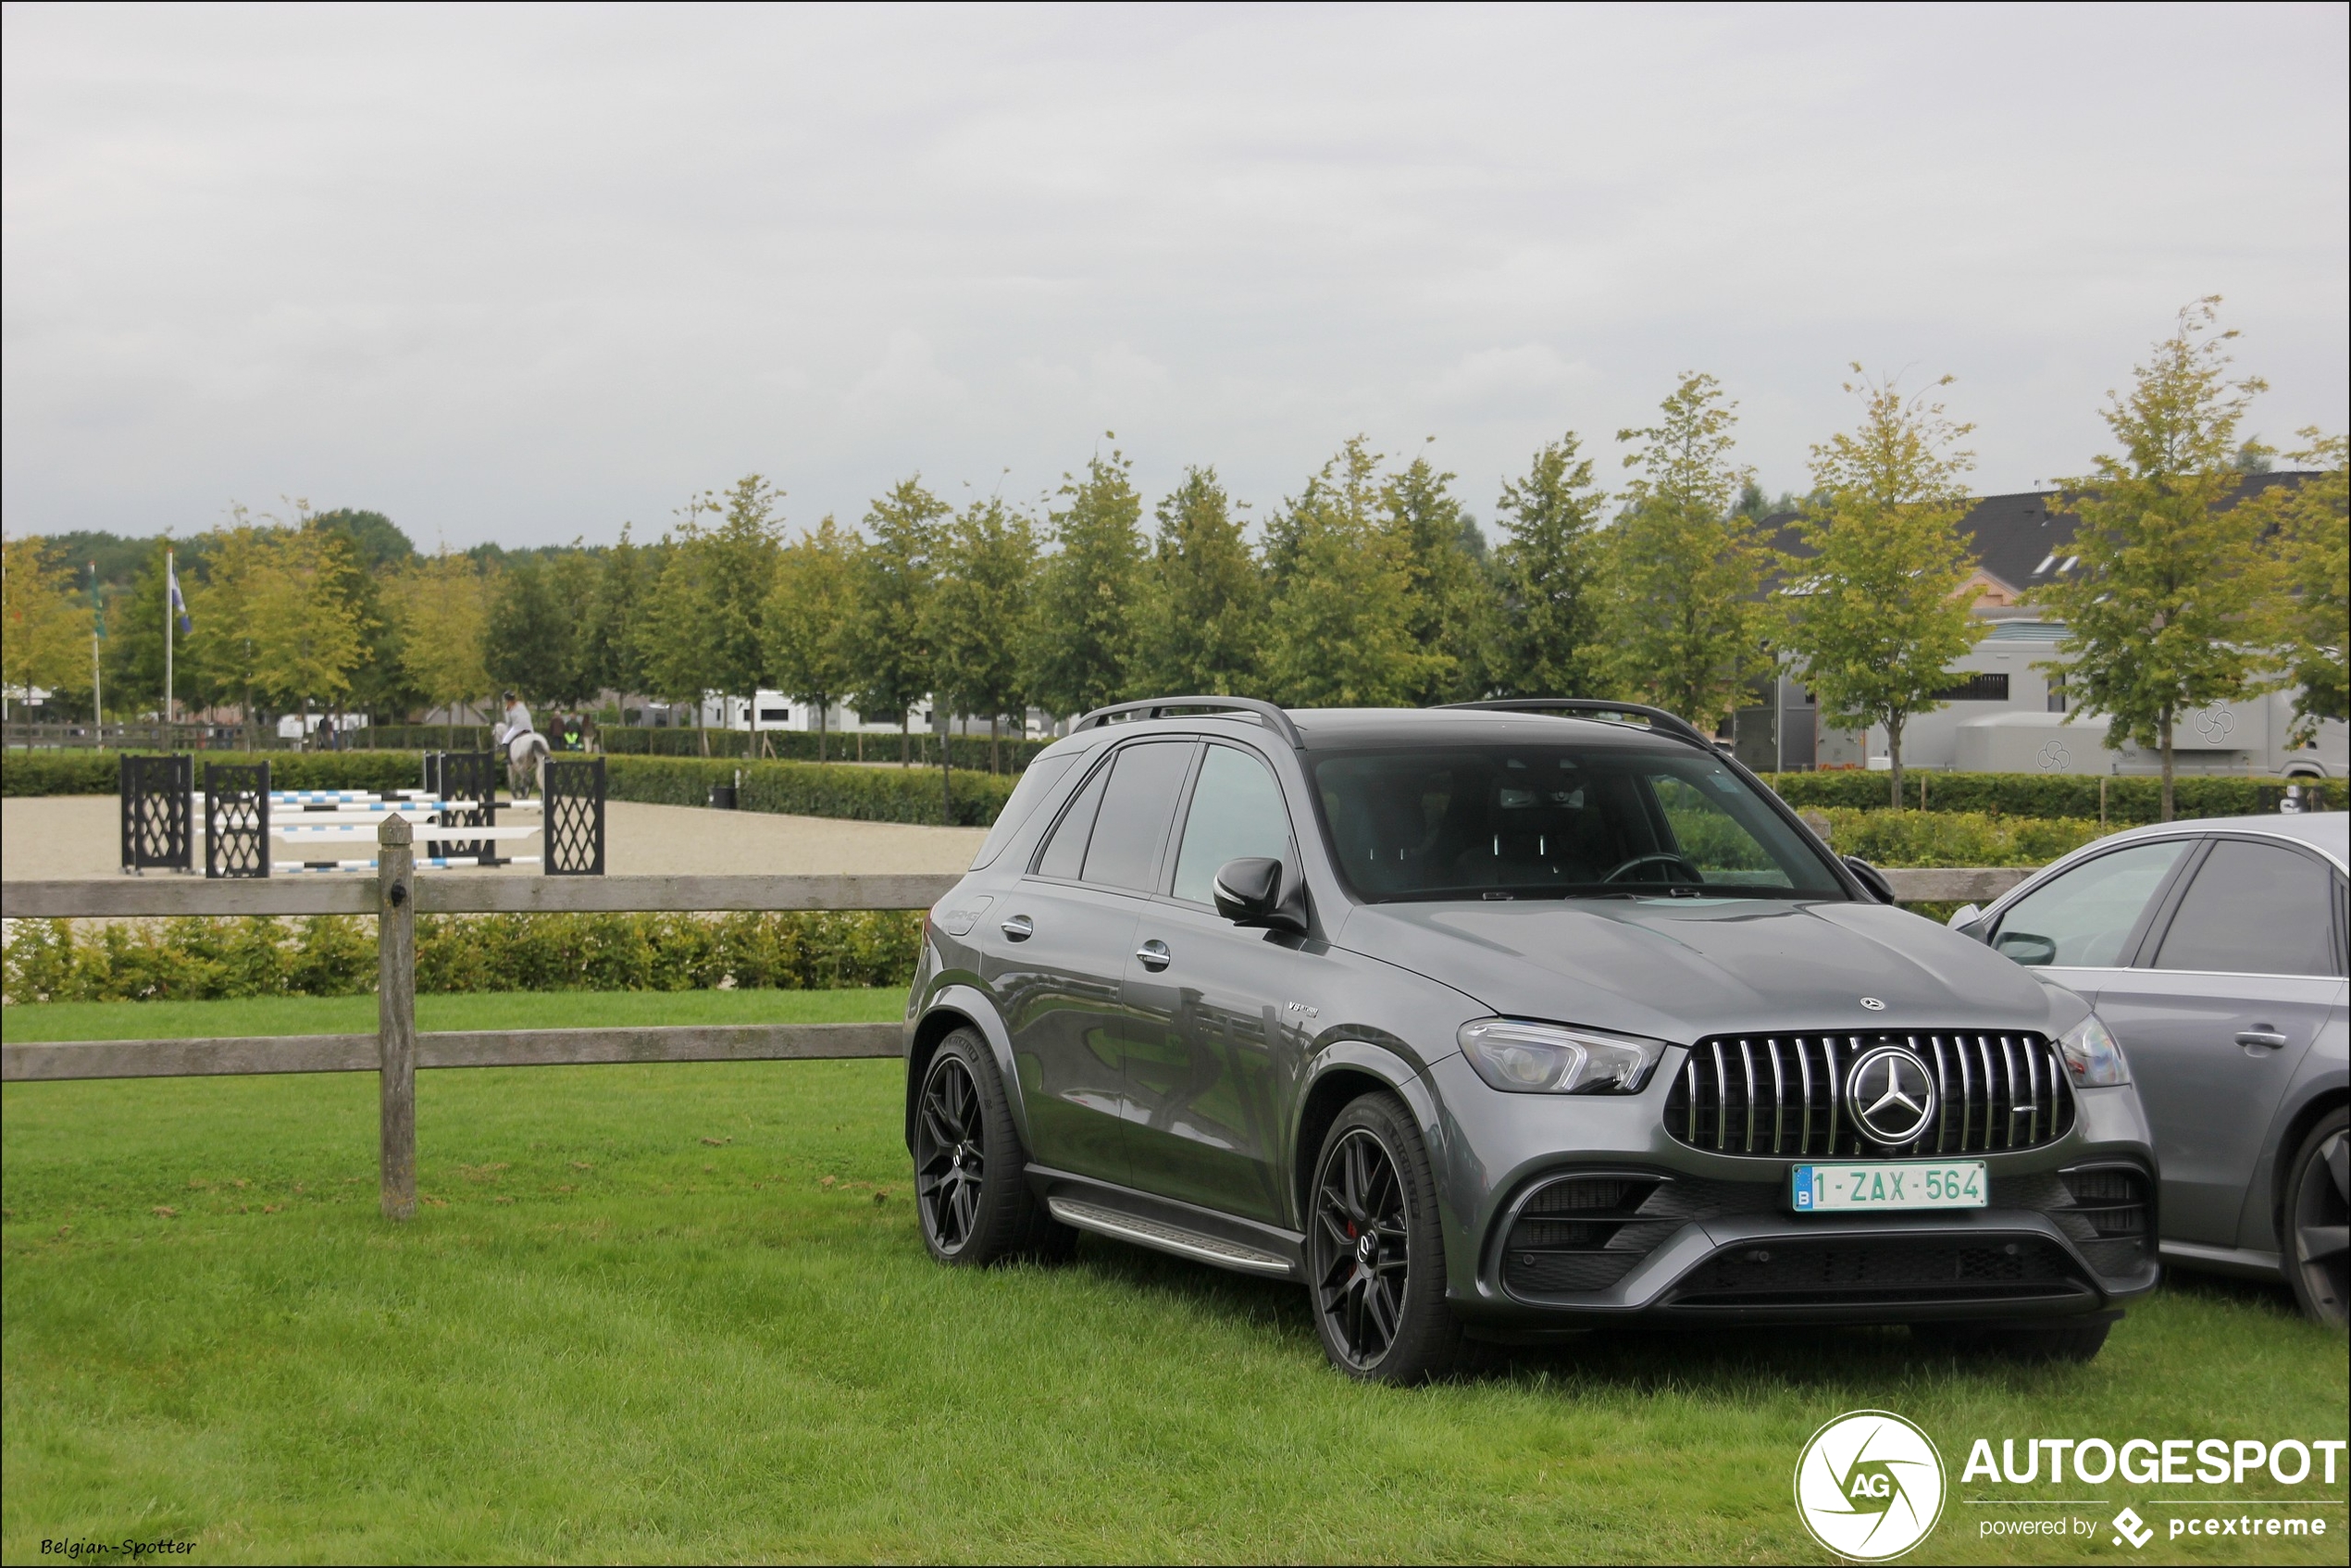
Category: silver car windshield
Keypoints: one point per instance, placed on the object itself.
(1557, 821)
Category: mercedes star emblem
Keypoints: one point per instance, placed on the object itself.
(1892, 1095)
(1874, 1005)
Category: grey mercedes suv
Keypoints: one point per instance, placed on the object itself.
(1502, 1020)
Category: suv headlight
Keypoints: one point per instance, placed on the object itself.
(2092, 1056)
(1524, 1058)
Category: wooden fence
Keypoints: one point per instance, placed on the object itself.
(396, 894)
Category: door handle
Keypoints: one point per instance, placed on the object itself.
(2263, 1035)
(1020, 928)
(1154, 955)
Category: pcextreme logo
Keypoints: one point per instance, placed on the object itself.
(1869, 1485)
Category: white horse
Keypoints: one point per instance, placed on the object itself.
(525, 763)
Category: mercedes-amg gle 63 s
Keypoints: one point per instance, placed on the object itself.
(1499, 1021)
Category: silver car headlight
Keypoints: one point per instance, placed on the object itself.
(1524, 1058)
(2092, 1055)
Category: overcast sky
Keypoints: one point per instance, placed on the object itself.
(525, 275)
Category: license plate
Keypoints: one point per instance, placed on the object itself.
(1909, 1184)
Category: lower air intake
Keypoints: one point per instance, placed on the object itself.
(1872, 1272)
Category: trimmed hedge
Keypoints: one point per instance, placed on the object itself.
(794, 745)
(98, 773)
(200, 960)
(860, 794)
(2129, 801)
(424, 738)
(1955, 838)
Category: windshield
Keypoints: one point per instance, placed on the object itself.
(1553, 821)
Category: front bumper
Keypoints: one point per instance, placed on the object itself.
(1717, 1242)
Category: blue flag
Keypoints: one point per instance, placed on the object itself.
(178, 605)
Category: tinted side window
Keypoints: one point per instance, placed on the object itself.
(2254, 909)
(1136, 811)
(2082, 918)
(1236, 812)
(1027, 795)
(1066, 851)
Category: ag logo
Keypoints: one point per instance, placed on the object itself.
(2216, 725)
(2053, 755)
(1891, 1094)
(1869, 1485)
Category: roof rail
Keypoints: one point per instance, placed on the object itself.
(1273, 718)
(1660, 721)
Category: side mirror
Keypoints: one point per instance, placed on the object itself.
(1963, 920)
(2026, 949)
(1248, 893)
(1870, 876)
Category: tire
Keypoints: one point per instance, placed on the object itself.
(2071, 1342)
(2312, 1241)
(1375, 1248)
(971, 1195)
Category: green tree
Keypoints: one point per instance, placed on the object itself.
(1877, 616)
(307, 637)
(811, 619)
(611, 639)
(1452, 611)
(2311, 524)
(133, 656)
(529, 632)
(2163, 612)
(987, 562)
(1341, 634)
(45, 625)
(1200, 614)
(573, 576)
(377, 542)
(1084, 644)
(1685, 569)
(1547, 636)
(889, 651)
(221, 645)
(702, 630)
(442, 606)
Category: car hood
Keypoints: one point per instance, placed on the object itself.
(1681, 970)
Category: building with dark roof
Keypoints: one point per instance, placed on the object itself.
(2005, 713)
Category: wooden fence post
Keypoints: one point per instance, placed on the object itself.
(396, 1013)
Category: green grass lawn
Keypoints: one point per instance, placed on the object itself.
(682, 1312)
(486, 1010)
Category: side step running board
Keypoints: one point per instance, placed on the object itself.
(1166, 1237)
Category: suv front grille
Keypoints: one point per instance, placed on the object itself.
(1785, 1094)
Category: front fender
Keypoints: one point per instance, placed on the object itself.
(1359, 1059)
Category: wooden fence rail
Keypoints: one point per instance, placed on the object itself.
(395, 895)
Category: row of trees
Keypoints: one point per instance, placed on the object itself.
(1372, 586)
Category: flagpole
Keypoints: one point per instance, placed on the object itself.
(170, 581)
(97, 686)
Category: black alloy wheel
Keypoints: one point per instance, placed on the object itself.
(970, 1191)
(1376, 1253)
(2317, 1220)
(951, 1155)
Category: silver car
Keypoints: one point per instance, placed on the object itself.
(2215, 951)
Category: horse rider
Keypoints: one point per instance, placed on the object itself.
(526, 748)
